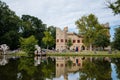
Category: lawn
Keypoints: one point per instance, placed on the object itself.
(86, 53)
(83, 53)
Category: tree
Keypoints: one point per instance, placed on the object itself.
(102, 38)
(33, 26)
(98, 69)
(88, 26)
(52, 30)
(115, 6)
(69, 43)
(102, 41)
(28, 44)
(9, 27)
(116, 42)
(48, 40)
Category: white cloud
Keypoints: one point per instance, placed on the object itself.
(63, 13)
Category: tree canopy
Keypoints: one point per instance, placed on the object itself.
(33, 26)
(91, 29)
(28, 44)
(115, 6)
(116, 41)
(87, 26)
(52, 31)
(9, 27)
(48, 40)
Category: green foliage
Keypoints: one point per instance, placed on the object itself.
(116, 42)
(48, 40)
(115, 6)
(26, 65)
(102, 38)
(69, 43)
(52, 30)
(28, 44)
(32, 26)
(69, 63)
(9, 27)
(88, 26)
(96, 69)
(93, 32)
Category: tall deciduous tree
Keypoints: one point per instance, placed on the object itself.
(48, 40)
(9, 27)
(52, 30)
(33, 26)
(116, 42)
(87, 26)
(102, 40)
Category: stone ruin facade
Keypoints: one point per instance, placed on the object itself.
(62, 37)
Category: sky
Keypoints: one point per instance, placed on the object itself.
(62, 13)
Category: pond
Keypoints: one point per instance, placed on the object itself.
(59, 68)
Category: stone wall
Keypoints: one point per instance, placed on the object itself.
(63, 35)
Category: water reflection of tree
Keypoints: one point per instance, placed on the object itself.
(26, 68)
(30, 72)
(117, 63)
(69, 63)
(9, 71)
(97, 69)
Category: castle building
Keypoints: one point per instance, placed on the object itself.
(62, 36)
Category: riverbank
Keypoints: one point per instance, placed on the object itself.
(84, 53)
(87, 53)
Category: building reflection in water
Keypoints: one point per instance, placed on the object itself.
(65, 65)
(60, 68)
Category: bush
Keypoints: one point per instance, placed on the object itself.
(27, 44)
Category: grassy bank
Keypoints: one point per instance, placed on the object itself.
(86, 53)
(20, 53)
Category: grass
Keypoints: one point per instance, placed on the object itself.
(20, 53)
(86, 53)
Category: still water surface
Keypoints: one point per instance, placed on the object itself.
(59, 68)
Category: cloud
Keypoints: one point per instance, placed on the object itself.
(61, 13)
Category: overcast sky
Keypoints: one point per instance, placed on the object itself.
(61, 13)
